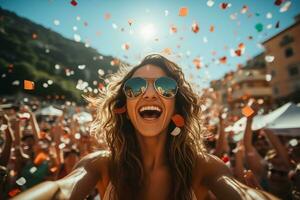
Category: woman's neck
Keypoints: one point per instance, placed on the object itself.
(153, 151)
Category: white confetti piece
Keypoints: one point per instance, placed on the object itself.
(81, 67)
(32, 170)
(269, 15)
(21, 181)
(16, 82)
(75, 28)
(45, 85)
(77, 38)
(101, 72)
(269, 58)
(166, 12)
(57, 66)
(285, 6)
(56, 22)
(210, 3)
(50, 82)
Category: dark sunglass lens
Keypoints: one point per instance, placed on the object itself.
(166, 87)
(135, 87)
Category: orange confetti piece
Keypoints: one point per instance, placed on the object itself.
(224, 6)
(28, 85)
(53, 169)
(167, 51)
(212, 28)
(247, 111)
(238, 52)
(183, 11)
(40, 158)
(195, 27)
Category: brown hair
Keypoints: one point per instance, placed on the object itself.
(126, 169)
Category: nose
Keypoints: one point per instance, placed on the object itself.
(150, 92)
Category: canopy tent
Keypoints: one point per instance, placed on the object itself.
(83, 117)
(282, 121)
(50, 111)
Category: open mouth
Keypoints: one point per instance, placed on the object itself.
(150, 112)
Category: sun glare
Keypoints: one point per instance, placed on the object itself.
(147, 31)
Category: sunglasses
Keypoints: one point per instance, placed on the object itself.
(164, 86)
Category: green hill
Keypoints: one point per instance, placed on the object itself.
(29, 51)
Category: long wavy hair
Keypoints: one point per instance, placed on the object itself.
(126, 169)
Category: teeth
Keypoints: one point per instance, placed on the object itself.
(150, 108)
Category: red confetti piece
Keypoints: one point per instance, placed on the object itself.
(195, 27)
(223, 5)
(14, 192)
(223, 60)
(40, 158)
(238, 52)
(225, 159)
(74, 3)
(183, 11)
(278, 2)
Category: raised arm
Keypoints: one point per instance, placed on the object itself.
(253, 159)
(218, 179)
(9, 138)
(221, 146)
(77, 185)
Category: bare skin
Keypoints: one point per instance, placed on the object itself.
(210, 173)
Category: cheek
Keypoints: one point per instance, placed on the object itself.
(130, 106)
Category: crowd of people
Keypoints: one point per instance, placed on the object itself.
(37, 148)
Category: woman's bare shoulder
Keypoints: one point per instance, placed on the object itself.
(97, 162)
(209, 166)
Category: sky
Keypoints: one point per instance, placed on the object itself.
(212, 38)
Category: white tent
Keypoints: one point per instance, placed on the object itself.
(50, 111)
(282, 121)
(83, 117)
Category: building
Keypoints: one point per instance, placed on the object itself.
(285, 68)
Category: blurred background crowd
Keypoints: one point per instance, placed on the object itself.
(40, 141)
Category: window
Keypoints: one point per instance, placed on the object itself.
(287, 39)
(289, 52)
(293, 71)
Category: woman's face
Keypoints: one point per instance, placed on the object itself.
(146, 122)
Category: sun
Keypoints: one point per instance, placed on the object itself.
(147, 31)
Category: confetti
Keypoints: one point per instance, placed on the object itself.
(183, 11)
(28, 85)
(114, 26)
(56, 22)
(101, 72)
(269, 15)
(259, 27)
(197, 63)
(269, 58)
(78, 18)
(75, 28)
(125, 46)
(40, 158)
(81, 67)
(247, 111)
(107, 16)
(205, 40)
(77, 37)
(32, 170)
(224, 5)
(195, 27)
(166, 12)
(57, 66)
(173, 29)
(85, 23)
(21, 181)
(244, 9)
(278, 2)
(50, 82)
(45, 85)
(16, 82)
(14, 192)
(268, 77)
(233, 16)
(210, 3)
(223, 60)
(130, 21)
(277, 25)
(269, 26)
(212, 28)
(74, 3)
(285, 6)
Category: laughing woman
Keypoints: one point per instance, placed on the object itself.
(150, 119)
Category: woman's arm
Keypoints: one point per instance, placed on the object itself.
(218, 179)
(77, 185)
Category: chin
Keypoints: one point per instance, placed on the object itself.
(150, 132)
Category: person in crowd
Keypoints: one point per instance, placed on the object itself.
(150, 119)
